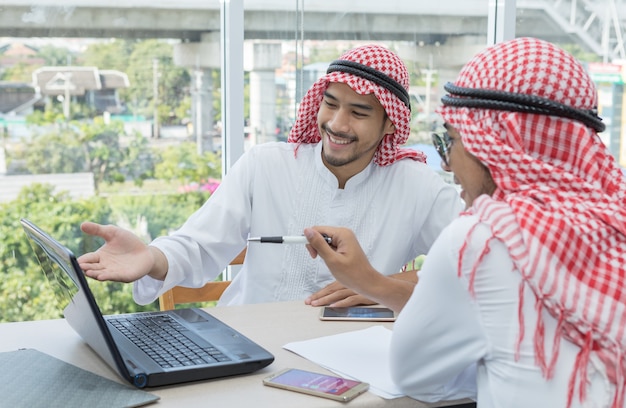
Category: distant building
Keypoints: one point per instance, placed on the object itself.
(16, 53)
(96, 88)
(18, 98)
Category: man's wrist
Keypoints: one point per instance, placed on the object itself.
(160, 264)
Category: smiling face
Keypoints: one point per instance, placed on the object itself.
(469, 172)
(351, 127)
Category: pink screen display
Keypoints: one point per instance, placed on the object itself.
(316, 382)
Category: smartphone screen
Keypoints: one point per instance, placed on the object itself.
(357, 313)
(323, 385)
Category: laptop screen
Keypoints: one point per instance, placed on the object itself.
(59, 273)
(73, 293)
(238, 354)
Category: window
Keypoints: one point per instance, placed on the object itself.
(119, 111)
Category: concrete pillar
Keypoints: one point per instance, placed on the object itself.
(201, 58)
(262, 59)
(202, 109)
(445, 59)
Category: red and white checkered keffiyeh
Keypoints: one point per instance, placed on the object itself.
(305, 130)
(560, 202)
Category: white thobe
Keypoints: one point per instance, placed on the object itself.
(444, 335)
(396, 211)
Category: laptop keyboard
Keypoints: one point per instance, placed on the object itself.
(160, 337)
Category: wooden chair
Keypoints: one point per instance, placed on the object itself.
(209, 292)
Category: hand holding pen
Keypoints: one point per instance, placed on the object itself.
(286, 239)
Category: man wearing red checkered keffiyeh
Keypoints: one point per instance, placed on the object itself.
(526, 290)
(369, 69)
(355, 177)
(560, 201)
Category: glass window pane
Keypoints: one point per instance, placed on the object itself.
(108, 112)
(107, 105)
(300, 38)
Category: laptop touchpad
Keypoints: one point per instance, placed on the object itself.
(191, 315)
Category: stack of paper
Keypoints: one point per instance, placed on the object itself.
(361, 355)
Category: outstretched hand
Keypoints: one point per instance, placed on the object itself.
(123, 258)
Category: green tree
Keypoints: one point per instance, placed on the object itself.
(183, 111)
(159, 214)
(53, 113)
(55, 151)
(55, 56)
(20, 72)
(182, 163)
(108, 55)
(25, 294)
(144, 62)
(102, 149)
(97, 147)
(152, 60)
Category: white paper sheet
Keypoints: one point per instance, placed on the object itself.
(362, 355)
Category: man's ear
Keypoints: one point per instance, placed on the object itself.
(389, 127)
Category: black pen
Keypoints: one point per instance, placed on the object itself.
(296, 239)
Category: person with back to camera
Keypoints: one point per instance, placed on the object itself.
(343, 165)
(527, 287)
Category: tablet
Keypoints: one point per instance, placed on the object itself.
(363, 313)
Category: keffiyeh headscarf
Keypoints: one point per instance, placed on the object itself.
(560, 202)
(367, 69)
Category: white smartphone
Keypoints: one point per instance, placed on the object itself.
(320, 385)
(363, 313)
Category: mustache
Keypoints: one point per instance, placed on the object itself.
(338, 134)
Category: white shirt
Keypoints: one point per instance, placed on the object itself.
(444, 332)
(396, 211)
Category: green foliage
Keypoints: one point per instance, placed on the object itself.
(182, 163)
(55, 56)
(144, 62)
(52, 114)
(419, 261)
(161, 213)
(25, 293)
(56, 151)
(147, 59)
(416, 264)
(183, 111)
(139, 160)
(95, 146)
(20, 72)
(110, 55)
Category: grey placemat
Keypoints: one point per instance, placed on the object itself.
(30, 378)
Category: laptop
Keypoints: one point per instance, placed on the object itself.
(147, 349)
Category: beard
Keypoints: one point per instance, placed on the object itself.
(345, 160)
